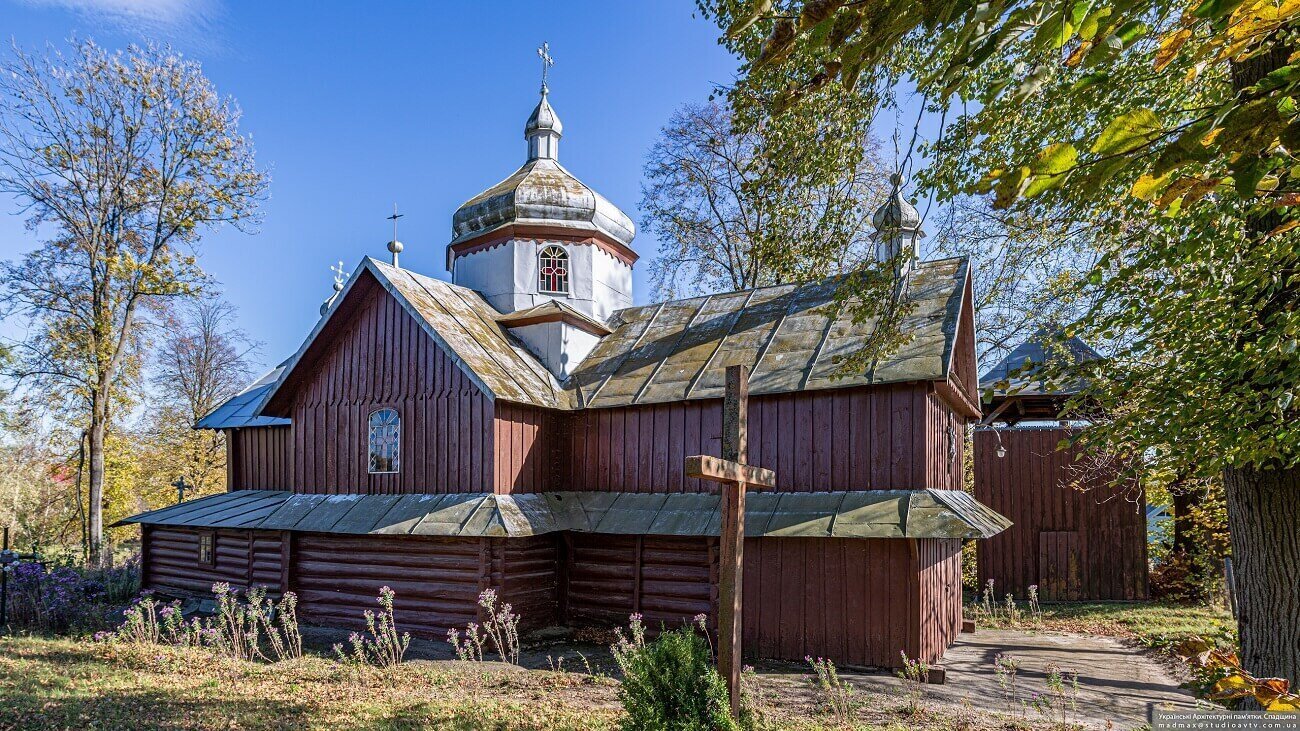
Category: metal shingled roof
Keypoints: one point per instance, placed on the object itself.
(861, 514)
(791, 336)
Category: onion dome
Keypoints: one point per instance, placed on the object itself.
(542, 193)
(897, 214)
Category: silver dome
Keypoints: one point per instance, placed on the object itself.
(896, 213)
(541, 192)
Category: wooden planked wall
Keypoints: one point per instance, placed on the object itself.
(260, 458)
(879, 438)
(383, 359)
(856, 601)
(939, 564)
(1029, 486)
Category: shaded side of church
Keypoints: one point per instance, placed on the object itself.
(524, 427)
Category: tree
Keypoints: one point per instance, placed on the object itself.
(126, 159)
(200, 362)
(720, 205)
(1170, 129)
(1025, 270)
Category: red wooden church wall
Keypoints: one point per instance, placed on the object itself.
(260, 458)
(1072, 544)
(242, 559)
(382, 358)
(850, 439)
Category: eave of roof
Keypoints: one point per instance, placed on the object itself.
(859, 514)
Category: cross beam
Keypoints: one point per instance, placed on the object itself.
(734, 475)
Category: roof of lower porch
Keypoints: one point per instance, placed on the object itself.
(857, 514)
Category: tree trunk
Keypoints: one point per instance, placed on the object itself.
(95, 497)
(1184, 500)
(1264, 520)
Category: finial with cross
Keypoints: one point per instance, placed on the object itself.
(544, 53)
(395, 246)
(340, 275)
(181, 486)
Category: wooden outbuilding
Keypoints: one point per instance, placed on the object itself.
(429, 437)
(1074, 534)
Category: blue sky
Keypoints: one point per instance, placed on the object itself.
(355, 106)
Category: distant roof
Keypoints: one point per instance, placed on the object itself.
(1042, 347)
(859, 514)
(241, 410)
(790, 335)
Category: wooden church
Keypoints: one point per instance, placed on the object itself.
(523, 427)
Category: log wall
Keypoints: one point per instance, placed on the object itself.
(1073, 544)
(437, 580)
(243, 559)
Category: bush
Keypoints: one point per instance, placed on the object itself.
(670, 684)
(67, 599)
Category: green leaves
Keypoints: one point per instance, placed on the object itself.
(1128, 132)
(1051, 168)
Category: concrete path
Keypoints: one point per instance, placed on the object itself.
(1117, 683)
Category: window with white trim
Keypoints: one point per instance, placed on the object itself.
(385, 441)
(553, 270)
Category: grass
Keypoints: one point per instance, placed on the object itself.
(1156, 625)
(48, 683)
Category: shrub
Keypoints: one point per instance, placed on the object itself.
(384, 647)
(69, 600)
(915, 674)
(670, 683)
(835, 694)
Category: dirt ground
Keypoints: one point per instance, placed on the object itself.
(1118, 685)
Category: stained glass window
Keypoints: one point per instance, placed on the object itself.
(385, 440)
(553, 270)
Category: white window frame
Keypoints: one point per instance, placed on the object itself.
(373, 433)
(568, 268)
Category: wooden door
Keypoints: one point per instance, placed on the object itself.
(1058, 566)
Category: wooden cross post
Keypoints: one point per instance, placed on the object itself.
(734, 475)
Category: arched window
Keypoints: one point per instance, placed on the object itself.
(385, 440)
(553, 270)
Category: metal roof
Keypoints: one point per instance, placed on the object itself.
(860, 514)
(791, 336)
(1046, 345)
(464, 324)
(241, 410)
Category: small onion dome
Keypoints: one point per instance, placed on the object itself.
(542, 193)
(897, 214)
(395, 246)
(543, 119)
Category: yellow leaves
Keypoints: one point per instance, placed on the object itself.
(1146, 186)
(757, 9)
(1251, 23)
(1128, 132)
(1170, 45)
(1234, 682)
(1051, 167)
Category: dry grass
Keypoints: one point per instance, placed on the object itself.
(66, 684)
(1157, 625)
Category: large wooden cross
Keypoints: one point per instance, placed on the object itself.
(734, 475)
